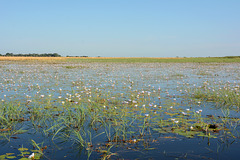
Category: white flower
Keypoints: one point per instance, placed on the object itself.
(31, 156)
(184, 113)
(134, 101)
(173, 119)
(200, 110)
(188, 109)
(191, 127)
(197, 112)
(176, 121)
(146, 115)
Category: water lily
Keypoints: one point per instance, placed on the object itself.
(184, 113)
(31, 156)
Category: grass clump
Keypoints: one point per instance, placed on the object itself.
(224, 96)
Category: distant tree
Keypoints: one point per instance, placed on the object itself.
(9, 54)
(33, 55)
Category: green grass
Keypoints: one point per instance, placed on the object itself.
(156, 60)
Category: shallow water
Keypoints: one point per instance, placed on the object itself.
(113, 88)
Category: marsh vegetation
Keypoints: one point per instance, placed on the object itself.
(116, 109)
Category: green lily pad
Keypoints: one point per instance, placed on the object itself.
(11, 157)
(24, 158)
(2, 156)
(8, 154)
(22, 149)
(25, 152)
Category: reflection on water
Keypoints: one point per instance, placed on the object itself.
(154, 97)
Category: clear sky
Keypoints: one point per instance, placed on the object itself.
(121, 28)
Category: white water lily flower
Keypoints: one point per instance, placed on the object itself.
(134, 101)
(125, 102)
(184, 113)
(31, 156)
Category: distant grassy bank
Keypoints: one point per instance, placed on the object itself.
(229, 59)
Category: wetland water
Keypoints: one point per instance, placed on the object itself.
(119, 110)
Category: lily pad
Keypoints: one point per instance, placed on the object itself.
(22, 149)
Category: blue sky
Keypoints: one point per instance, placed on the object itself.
(121, 28)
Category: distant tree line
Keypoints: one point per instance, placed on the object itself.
(76, 56)
(32, 55)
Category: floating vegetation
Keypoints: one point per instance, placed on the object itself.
(117, 110)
